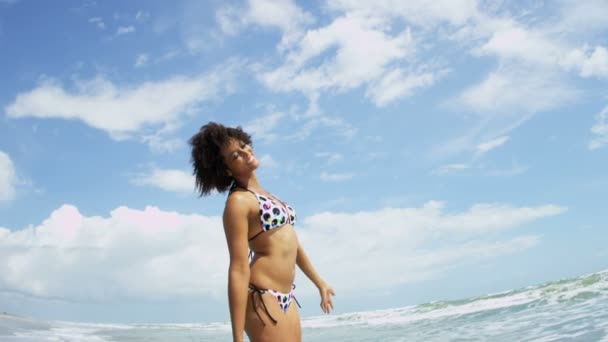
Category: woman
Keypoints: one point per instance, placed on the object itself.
(262, 242)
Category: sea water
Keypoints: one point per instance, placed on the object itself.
(566, 310)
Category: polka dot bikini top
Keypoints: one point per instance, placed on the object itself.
(274, 213)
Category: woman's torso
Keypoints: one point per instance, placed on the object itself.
(274, 248)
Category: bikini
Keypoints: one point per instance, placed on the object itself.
(274, 214)
(283, 299)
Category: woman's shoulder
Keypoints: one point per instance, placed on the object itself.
(239, 200)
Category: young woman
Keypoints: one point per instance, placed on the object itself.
(262, 243)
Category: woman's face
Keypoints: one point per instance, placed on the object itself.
(239, 158)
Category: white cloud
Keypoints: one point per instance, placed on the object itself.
(229, 21)
(144, 254)
(160, 143)
(284, 15)
(8, 178)
(396, 84)
(352, 64)
(487, 146)
(124, 111)
(335, 177)
(336, 56)
(511, 40)
(546, 44)
(455, 12)
(401, 251)
(98, 22)
(167, 179)
(516, 90)
(588, 61)
(538, 47)
(266, 160)
(583, 16)
(263, 127)
(504, 100)
(150, 254)
(600, 130)
(125, 30)
(313, 119)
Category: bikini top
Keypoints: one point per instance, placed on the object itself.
(274, 213)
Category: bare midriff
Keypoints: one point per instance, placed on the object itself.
(274, 260)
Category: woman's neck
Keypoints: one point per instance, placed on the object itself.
(248, 182)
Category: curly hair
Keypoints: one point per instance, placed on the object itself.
(209, 168)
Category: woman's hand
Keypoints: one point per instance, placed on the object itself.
(326, 292)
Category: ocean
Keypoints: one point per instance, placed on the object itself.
(565, 310)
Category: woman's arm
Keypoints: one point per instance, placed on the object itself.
(236, 227)
(324, 289)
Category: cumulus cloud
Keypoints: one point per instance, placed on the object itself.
(284, 15)
(401, 251)
(152, 254)
(8, 178)
(351, 66)
(534, 57)
(166, 179)
(510, 40)
(588, 61)
(336, 56)
(141, 254)
(124, 111)
(516, 42)
(600, 130)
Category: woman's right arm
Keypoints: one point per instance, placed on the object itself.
(236, 228)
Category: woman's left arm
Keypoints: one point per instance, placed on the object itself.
(324, 289)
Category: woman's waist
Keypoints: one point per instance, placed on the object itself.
(266, 275)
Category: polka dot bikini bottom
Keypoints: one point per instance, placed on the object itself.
(283, 299)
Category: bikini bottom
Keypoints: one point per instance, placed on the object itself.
(283, 299)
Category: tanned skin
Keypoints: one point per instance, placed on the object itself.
(277, 252)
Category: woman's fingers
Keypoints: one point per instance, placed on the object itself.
(326, 302)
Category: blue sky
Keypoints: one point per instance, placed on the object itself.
(431, 151)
